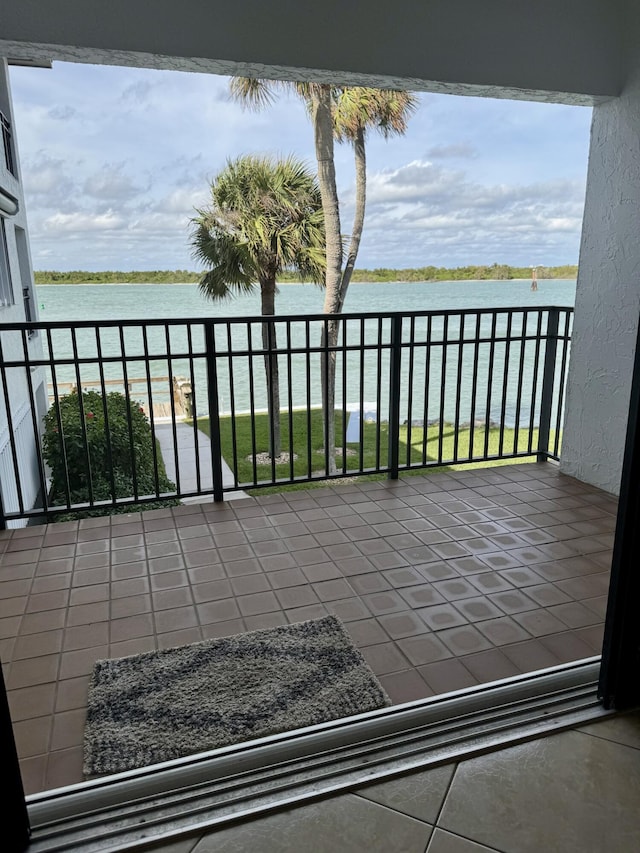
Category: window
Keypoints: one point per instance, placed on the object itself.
(6, 290)
(26, 277)
(7, 144)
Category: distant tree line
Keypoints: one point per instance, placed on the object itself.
(116, 277)
(494, 272)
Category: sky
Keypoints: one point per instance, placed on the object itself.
(115, 160)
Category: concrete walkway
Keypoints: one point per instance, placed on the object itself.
(187, 461)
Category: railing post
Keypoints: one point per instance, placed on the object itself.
(213, 403)
(394, 396)
(15, 830)
(548, 381)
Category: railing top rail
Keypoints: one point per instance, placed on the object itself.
(276, 318)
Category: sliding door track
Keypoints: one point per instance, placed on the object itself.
(209, 790)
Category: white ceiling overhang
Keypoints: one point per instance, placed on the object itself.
(569, 52)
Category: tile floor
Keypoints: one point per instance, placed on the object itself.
(443, 581)
(574, 792)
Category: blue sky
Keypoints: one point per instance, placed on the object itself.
(114, 161)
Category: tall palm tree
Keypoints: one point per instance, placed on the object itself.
(265, 216)
(356, 111)
(346, 113)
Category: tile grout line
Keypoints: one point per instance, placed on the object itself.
(607, 739)
(489, 847)
(446, 794)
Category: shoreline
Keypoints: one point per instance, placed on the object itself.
(295, 283)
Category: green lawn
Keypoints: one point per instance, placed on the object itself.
(374, 451)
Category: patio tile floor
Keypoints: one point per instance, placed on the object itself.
(444, 581)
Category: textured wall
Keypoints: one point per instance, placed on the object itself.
(608, 294)
(500, 47)
(17, 378)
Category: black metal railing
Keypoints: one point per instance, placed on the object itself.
(27, 301)
(7, 144)
(414, 390)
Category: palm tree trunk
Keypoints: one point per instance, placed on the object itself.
(358, 217)
(270, 345)
(323, 131)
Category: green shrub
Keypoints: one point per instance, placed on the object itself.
(102, 440)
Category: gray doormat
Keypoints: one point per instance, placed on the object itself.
(161, 705)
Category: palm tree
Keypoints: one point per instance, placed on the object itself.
(265, 216)
(346, 113)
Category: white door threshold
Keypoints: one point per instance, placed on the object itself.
(196, 794)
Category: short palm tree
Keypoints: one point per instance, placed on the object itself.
(265, 216)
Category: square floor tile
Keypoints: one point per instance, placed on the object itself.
(403, 624)
(464, 640)
(547, 594)
(421, 596)
(346, 822)
(498, 799)
(567, 647)
(367, 632)
(477, 609)
(441, 616)
(370, 583)
(539, 622)
(448, 842)
(423, 649)
(503, 630)
(447, 675)
(218, 611)
(333, 590)
(419, 794)
(530, 655)
(512, 601)
(381, 603)
(455, 588)
(348, 609)
(489, 665)
(405, 686)
(310, 611)
(384, 658)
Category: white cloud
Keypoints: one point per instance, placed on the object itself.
(435, 216)
(456, 151)
(72, 223)
(126, 154)
(62, 113)
(184, 200)
(111, 183)
(137, 92)
(47, 178)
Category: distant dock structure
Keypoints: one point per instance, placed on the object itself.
(163, 405)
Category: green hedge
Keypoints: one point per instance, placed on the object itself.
(85, 449)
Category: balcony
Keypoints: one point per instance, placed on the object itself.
(414, 391)
(444, 579)
(512, 576)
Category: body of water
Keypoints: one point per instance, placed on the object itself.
(136, 301)
(434, 379)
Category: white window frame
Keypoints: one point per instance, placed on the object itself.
(7, 296)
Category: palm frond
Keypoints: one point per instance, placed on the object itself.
(265, 216)
(252, 93)
(358, 109)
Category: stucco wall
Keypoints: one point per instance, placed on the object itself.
(17, 379)
(502, 47)
(608, 293)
